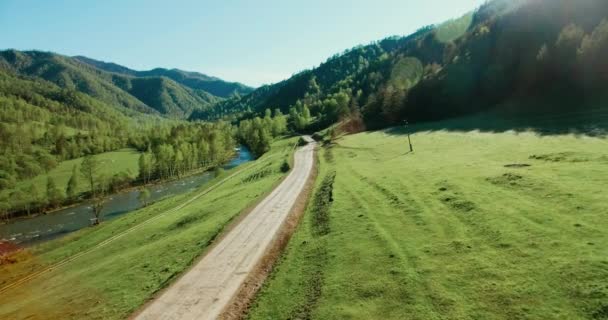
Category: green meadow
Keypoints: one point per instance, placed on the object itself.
(111, 163)
(471, 225)
(112, 281)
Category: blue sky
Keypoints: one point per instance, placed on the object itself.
(254, 42)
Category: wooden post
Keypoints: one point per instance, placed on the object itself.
(409, 140)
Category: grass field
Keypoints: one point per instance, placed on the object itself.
(125, 160)
(470, 226)
(113, 281)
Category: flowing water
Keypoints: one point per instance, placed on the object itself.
(53, 225)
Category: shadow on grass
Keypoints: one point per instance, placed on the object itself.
(592, 122)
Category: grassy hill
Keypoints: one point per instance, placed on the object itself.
(472, 225)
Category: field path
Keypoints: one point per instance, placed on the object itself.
(209, 286)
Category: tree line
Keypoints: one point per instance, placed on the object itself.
(258, 133)
(167, 152)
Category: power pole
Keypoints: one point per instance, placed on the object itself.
(409, 140)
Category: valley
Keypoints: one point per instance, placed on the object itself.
(455, 170)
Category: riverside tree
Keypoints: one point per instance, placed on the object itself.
(257, 133)
(53, 193)
(144, 196)
(89, 169)
(72, 187)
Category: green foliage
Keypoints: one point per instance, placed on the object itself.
(144, 196)
(174, 93)
(321, 204)
(454, 29)
(192, 80)
(54, 195)
(43, 125)
(258, 133)
(285, 167)
(474, 63)
(72, 187)
(89, 169)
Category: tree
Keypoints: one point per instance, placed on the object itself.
(145, 167)
(306, 113)
(72, 188)
(593, 51)
(179, 162)
(279, 123)
(99, 200)
(18, 197)
(89, 169)
(5, 207)
(144, 196)
(53, 194)
(34, 197)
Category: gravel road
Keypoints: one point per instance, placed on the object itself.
(208, 287)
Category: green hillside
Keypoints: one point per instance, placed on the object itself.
(192, 80)
(172, 93)
(546, 53)
(44, 126)
(70, 74)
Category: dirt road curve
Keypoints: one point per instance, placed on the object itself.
(206, 289)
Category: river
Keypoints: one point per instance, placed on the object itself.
(46, 227)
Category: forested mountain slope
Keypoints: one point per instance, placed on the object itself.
(43, 126)
(192, 80)
(171, 93)
(508, 54)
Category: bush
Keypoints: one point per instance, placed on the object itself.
(317, 137)
(302, 142)
(285, 167)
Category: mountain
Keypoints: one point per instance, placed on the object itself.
(517, 56)
(70, 74)
(193, 80)
(151, 92)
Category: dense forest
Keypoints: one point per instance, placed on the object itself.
(549, 54)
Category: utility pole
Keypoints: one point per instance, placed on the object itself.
(409, 140)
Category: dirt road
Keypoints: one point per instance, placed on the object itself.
(206, 289)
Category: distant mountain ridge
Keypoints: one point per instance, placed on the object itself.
(193, 80)
(173, 93)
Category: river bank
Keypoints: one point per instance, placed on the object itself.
(42, 227)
